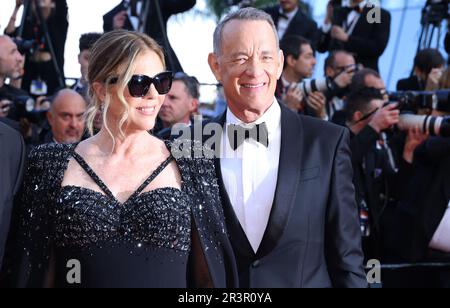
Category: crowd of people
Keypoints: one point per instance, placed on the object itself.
(330, 172)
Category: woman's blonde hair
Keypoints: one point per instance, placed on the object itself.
(113, 56)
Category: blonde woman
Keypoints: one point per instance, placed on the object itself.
(117, 210)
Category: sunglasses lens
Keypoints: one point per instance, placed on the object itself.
(163, 82)
(139, 86)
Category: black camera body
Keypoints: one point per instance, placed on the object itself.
(435, 11)
(22, 107)
(26, 46)
(413, 101)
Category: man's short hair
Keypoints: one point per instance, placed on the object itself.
(292, 46)
(359, 79)
(191, 83)
(330, 61)
(360, 101)
(88, 40)
(245, 14)
(427, 59)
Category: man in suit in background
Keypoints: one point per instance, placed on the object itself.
(127, 15)
(352, 29)
(291, 20)
(288, 196)
(12, 158)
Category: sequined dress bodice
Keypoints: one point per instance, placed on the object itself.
(144, 242)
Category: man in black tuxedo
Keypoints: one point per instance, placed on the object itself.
(291, 20)
(288, 196)
(12, 157)
(361, 29)
(124, 14)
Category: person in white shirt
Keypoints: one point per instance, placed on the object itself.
(285, 180)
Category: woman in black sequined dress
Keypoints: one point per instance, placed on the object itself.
(118, 210)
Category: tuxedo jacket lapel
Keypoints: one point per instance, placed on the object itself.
(288, 179)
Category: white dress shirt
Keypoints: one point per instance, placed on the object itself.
(250, 174)
(133, 19)
(283, 23)
(350, 23)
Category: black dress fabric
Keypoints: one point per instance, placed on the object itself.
(144, 242)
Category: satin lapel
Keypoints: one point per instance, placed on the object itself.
(288, 179)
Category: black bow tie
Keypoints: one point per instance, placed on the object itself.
(238, 133)
(282, 16)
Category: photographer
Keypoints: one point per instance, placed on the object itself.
(354, 30)
(41, 76)
(10, 64)
(428, 69)
(422, 216)
(340, 66)
(299, 63)
(374, 162)
(127, 15)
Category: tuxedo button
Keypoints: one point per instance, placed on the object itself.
(256, 264)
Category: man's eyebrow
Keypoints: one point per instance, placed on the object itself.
(237, 54)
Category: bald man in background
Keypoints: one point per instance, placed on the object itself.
(66, 117)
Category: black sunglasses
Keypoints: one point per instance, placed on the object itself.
(139, 85)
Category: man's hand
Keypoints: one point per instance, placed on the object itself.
(385, 118)
(339, 34)
(19, 3)
(414, 139)
(433, 79)
(317, 101)
(119, 20)
(294, 99)
(5, 105)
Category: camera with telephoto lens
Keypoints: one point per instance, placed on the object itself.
(411, 102)
(435, 11)
(326, 85)
(22, 107)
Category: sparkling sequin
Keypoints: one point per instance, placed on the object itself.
(88, 223)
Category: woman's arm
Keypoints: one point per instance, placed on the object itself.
(11, 27)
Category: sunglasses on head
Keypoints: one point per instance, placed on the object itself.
(139, 85)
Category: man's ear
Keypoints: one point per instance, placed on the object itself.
(99, 90)
(280, 64)
(50, 117)
(357, 116)
(213, 62)
(194, 105)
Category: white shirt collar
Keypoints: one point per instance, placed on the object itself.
(272, 118)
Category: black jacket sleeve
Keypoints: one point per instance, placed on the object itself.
(343, 236)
